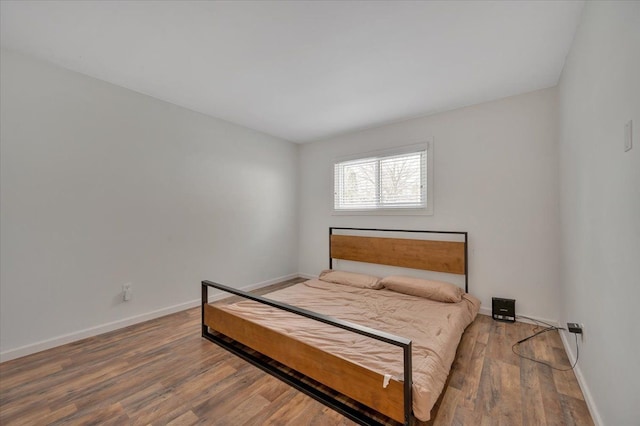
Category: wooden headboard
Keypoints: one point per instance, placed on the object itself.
(423, 253)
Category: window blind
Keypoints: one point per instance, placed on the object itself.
(384, 182)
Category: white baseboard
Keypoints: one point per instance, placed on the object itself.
(485, 311)
(125, 322)
(588, 398)
(307, 276)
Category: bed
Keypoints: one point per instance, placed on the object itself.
(337, 336)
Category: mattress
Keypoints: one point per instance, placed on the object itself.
(435, 329)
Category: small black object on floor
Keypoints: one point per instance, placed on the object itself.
(503, 309)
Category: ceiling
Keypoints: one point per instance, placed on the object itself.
(303, 70)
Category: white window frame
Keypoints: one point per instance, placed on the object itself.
(406, 211)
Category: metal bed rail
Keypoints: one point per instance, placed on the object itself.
(346, 410)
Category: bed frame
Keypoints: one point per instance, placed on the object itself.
(349, 379)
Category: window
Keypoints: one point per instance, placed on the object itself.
(391, 181)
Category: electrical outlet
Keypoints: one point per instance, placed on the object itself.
(127, 292)
(574, 327)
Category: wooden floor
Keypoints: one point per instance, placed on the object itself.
(162, 372)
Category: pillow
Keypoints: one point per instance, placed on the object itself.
(350, 278)
(434, 290)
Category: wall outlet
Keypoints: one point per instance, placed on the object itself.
(574, 328)
(127, 292)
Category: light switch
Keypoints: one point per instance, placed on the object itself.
(628, 135)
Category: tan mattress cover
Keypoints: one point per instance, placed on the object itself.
(434, 327)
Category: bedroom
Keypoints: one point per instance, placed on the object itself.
(103, 186)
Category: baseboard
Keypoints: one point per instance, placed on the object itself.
(125, 322)
(588, 398)
(307, 276)
(485, 311)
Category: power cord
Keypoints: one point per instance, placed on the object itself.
(537, 333)
(538, 322)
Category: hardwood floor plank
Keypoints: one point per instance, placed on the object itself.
(487, 421)
(274, 389)
(103, 414)
(447, 409)
(276, 404)
(550, 397)
(474, 375)
(187, 419)
(28, 416)
(465, 416)
(331, 417)
(243, 410)
(162, 372)
(531, 396)
(567, 384)
(288, 412)
(142, 398)
(489, 389)
(54, 416)
(510, 401)
(28, 375)
(160, 410)
(575, 411)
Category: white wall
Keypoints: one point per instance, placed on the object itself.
(600, 209)
(101, 186)
(496, 176)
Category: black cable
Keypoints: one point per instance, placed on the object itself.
(538, 333)
(513, 349)
(538, 322)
